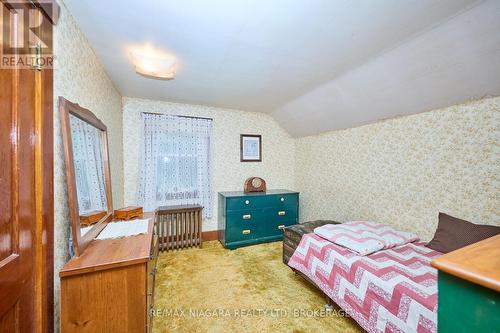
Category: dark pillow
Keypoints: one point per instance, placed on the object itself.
(453, 233)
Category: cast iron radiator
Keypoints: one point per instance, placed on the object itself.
(178, 227)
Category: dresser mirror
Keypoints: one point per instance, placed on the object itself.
(87, 171)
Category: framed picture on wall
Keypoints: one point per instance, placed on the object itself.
(250, 148)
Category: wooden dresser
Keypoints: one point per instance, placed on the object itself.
(110, 287)
(250, 218)
(469, 288)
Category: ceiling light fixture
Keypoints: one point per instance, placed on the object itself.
(153, 63)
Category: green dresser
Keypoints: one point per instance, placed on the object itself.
(250, 218)
(469, 288)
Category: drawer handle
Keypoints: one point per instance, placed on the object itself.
(281, 213)
(247, 202)
(246, 232)
(282, 199)
(281, 227)
(247, 217)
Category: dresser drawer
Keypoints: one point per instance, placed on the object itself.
(247, 202)
(236, 234)
(262, 201)
(242, 218)
(151, 277)
(242, 225)
(290, 201)
(275, 219)
(150, 287)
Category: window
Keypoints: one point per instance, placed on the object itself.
(177, 168)
(175, 164)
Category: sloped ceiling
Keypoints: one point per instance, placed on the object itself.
(456, 61)
(315, 65)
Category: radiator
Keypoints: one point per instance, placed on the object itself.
(178, 226)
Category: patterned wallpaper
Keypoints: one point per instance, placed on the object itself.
(404, 171)
(80, 78)
(229, 174)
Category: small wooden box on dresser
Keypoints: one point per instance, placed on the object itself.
(255, 217)
(110, 287)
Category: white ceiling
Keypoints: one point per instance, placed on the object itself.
(315, 65)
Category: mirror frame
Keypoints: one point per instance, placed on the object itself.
(67, 108)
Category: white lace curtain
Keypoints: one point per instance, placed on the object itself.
(89, 166)
(175, 163)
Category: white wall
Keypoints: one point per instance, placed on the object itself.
(229, 174)
(405, 171)
(80, 78)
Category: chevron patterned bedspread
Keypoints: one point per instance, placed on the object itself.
(392, 290)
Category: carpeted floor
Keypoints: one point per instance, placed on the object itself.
(245, 290)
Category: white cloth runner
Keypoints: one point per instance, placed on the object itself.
(124, 229)
(84, 230)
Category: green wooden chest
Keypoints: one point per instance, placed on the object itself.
(250, 218)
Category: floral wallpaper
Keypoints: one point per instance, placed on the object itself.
(229, 174)
(80, 78)
(404, 171)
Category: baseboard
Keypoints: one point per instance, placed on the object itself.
(210, 235)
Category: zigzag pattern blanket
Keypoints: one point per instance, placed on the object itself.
(393, 290)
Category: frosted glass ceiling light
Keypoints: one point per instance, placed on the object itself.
(153, 63)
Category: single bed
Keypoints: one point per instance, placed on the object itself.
(388, 291)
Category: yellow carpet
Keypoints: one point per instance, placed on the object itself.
(245, 290)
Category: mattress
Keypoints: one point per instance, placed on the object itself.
(393, 290)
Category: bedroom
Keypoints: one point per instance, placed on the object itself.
(251, 166)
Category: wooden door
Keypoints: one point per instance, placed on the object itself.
(26, 196)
